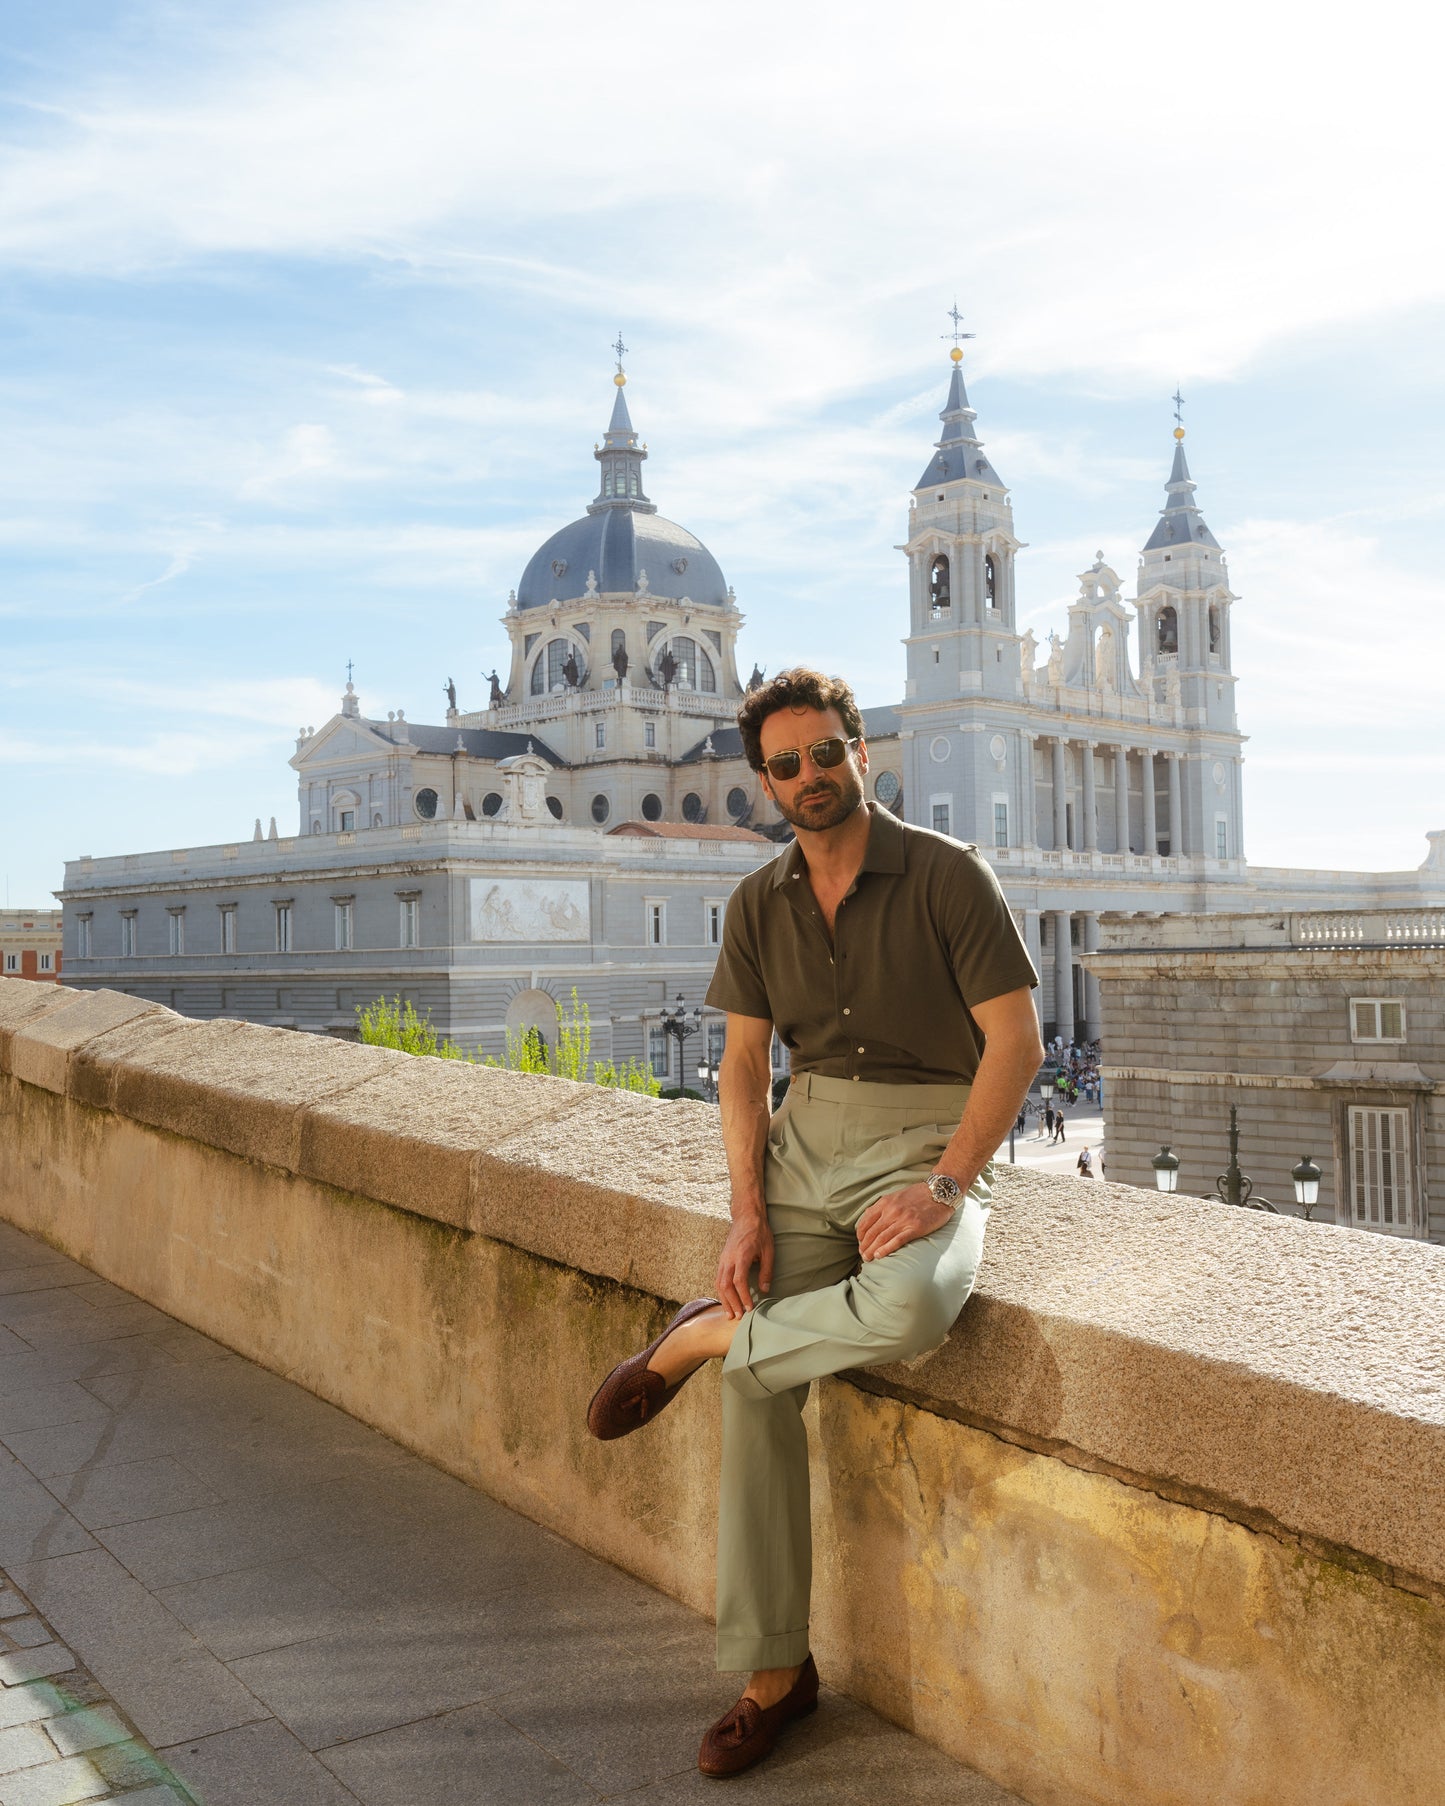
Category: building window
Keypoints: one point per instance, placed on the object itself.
(716, 1039)
(990, 580)
(693, 809)
(599, 734)
(1214, 631)
(1221, 837)
(283, 927)
(348, 821)
(177, 923)
(410, 911)
(1166, 631)
(738, 803)
(45, 959)
(619, 641)
(657, 1055)
(942, 818)
(343, 927)
(649, 735)
(554, 804)
(12, 960)
(712, 914)
(651, 807)
(1380, 1193)
(655, 923)
(492, 803)
(939, 599)
(1376, 1019)
(127, 936)
(601, 809)
(82, 939)
(425, 804)
(1000, 824)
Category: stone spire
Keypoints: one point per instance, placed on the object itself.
(1180, 522)
(959, 456)
(620, 456)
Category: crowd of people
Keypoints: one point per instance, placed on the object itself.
(1076, 1074)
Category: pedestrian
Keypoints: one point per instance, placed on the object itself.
(1059, 1126)
(1084, 1165)
(886, 959)
(1049, 1117)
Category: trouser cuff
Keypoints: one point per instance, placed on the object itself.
(737, 1369)
(739, 1654)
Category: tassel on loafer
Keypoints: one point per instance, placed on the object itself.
(632, 1394)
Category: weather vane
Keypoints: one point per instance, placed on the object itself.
(957, 334)
(621, 351)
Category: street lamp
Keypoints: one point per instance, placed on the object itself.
(678, 1023)
(708, 1075)
(1235, 1187)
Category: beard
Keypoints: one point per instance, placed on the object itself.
(825, 803)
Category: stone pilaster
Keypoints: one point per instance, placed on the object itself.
(1061, 793)
(1151, 809)
(1176, 808)
(1063, 976)
(1090, 798)
(1121, 799)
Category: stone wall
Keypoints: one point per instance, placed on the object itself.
(1163, 1523)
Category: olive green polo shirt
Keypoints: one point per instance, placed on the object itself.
(923, 933)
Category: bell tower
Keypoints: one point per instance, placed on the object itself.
(960, 550)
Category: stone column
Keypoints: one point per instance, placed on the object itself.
(1090, 799)
(1061, 795)
(1151, 823)
(1121, 799)
(1032, 941)
(1091, 984)
(1028, 828)
(1176, 809)
(1063, 976)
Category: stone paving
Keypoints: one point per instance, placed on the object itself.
(219, 1590)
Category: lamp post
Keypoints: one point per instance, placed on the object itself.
(680, 1024)
(708, 1076)
(1234, 1186)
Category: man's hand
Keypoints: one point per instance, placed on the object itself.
(749, 1244)
(899, 1217)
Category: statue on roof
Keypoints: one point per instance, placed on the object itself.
(498, 694)
(571, 676)
(451, 690)
(667, 667)
(755, 682)
(620, 662)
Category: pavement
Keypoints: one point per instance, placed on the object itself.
(1084, 1127)
(219, 1590)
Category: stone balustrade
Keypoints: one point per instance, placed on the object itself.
(1163, 1522)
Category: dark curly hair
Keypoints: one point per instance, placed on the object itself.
(798, 688)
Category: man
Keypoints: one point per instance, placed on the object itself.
(888, 962)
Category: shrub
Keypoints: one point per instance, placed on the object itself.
(396, 1024)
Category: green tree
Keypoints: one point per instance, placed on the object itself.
(396, 1024)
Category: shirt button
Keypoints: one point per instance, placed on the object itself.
(847, 1012)
(861, 1050)
(855, 1078)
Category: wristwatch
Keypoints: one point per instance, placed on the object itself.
(943, 1188)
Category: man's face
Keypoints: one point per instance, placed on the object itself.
(818, 797)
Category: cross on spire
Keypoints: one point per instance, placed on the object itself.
(1178, 401)
(621, 351)
(957, 334)
(348, 670)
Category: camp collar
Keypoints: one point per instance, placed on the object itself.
(884, 852)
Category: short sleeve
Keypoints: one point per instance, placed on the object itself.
(987, 951)
(737, 981)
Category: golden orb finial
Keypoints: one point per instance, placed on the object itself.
(620, 380)
(957, 354)
(1179, 432)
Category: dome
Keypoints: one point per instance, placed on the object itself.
(619, 544)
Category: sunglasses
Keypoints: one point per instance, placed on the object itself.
(784, 766)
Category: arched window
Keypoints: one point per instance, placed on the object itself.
(939, 597)
(1166, 630)
(1215, 634)
(548, 673)
(554, 803)
(607, 482)
(619, 641)
(694, 667)
(990, 580)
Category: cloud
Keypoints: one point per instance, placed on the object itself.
(307, 450)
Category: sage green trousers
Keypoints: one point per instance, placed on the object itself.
(835, 1146)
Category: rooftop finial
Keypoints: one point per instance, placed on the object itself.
(621, 377)
(958, 333)
(1178, 401)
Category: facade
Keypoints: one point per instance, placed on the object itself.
(1326, 1029)
(30, 944)
(1096, 782)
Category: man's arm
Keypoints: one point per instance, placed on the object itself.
(745, 1095)
(1012, 1055)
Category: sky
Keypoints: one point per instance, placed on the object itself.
(306, 322)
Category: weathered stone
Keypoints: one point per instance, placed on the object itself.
(23, 1001)
(41, 1050)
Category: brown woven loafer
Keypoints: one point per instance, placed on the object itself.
(632, 1394)
(745, 1734)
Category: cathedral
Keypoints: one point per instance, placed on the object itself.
(586, 826)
